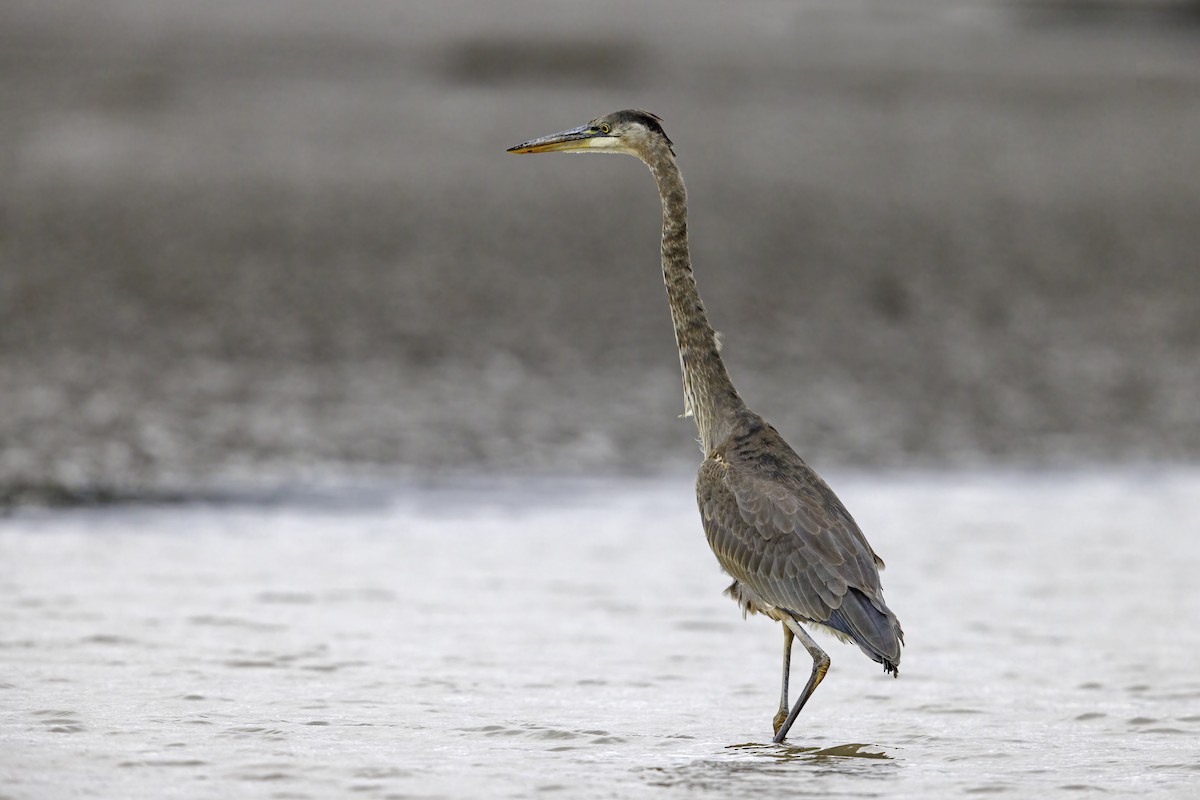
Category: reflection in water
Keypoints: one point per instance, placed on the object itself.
(788, 752)
(795, 752)
(745, 769)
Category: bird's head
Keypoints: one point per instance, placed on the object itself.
(636, 133)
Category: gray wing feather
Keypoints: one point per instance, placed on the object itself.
(787, 554)
(777, 528)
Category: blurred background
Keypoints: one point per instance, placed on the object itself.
(255, 243)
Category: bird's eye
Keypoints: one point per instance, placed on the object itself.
(604, 127)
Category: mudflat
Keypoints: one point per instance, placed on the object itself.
(248, 242)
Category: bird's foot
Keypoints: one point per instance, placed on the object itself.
(779, 719)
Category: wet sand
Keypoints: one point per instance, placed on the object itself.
(245, 246)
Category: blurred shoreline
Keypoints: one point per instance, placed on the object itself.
(247, 247)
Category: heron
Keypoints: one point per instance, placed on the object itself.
(794, 552)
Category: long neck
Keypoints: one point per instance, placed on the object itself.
(708, 393)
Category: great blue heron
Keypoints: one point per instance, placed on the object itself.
(794, 552)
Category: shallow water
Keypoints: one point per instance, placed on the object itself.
(570, 639)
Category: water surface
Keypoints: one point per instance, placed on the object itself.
(570, 639)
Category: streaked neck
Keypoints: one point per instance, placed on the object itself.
(708, 393)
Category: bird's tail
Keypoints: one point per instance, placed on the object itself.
(872, 626)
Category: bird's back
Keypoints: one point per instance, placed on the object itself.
(789, 543)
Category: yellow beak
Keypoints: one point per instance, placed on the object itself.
(581, 138)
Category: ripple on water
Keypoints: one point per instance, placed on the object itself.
(264, 773)
(163, 762)
(109, 639)
(534, 731)
(255, 732)
(266, 659)
(1090, 715)
(381, 773)
(669, 677)
(435, 682)
(1187, 766)
(59, 721)
(551, 733)
(978, 756)
(333, 667)
(245, 663)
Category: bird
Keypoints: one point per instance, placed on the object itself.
(794, 552)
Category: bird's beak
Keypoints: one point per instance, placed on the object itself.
(582, 138)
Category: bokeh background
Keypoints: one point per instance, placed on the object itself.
(255, 243)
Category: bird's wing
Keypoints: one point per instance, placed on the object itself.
(784, 534)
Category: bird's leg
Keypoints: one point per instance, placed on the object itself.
(787, 671)
(820, 667)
